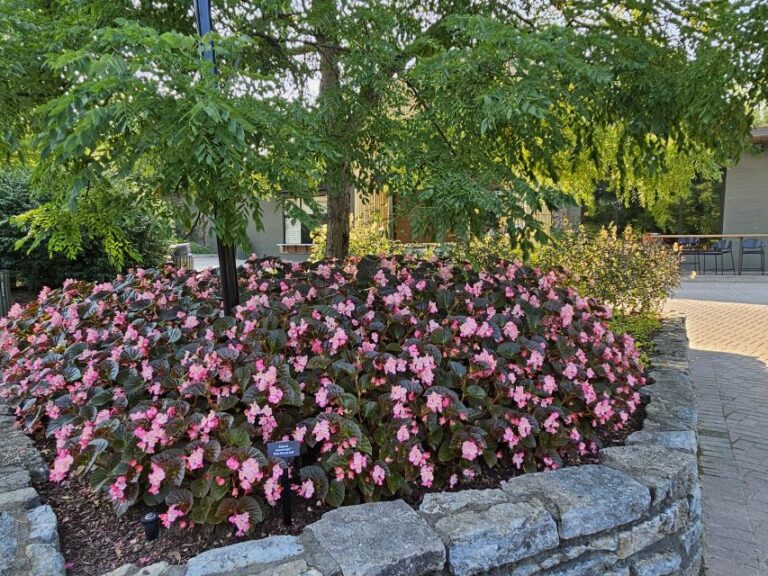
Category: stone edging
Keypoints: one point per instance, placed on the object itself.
(637, 513)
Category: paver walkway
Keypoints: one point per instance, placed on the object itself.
(728, 331)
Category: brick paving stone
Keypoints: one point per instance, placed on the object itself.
(727, 321)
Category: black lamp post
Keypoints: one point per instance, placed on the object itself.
(227, 262)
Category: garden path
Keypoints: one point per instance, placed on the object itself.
(728, 332)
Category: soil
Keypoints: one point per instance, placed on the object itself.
(94, 540)
(22, 296)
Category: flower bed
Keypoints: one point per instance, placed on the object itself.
(391, 373)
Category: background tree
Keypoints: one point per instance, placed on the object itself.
(470, 113)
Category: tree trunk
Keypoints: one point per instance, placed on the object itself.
(340, 191)
(338, 175)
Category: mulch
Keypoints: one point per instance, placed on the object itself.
(94, 540)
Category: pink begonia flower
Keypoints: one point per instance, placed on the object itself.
(90, 376)
(403, 434)
(518, 459)
(298, 434)
(275, 395)
(510, 437)
(358, 462)
(233, 463)
(171, 515)
(61, 466)
(468, 327)
(195, 459)
(571, 371)
(549, 386)
(197, 373)
(427, 475)
(399, 394)
(520, 396)
(566, 314)
(191, 322)
(242, 522)
(156, 477)
(469, 450)
(321, 397)
(322, 431)
(536, 360)
(434, 402)
(146, 371)
(250, 471)
(117, 489)
(378, 475)
(306, 489)
(338, 340)
(551, 424)
(524, 427)
(415, 456)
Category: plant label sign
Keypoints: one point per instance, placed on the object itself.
(285, 450)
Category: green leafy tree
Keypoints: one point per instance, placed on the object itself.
(145, 107)
(470, 113)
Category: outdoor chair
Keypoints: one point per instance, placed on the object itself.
(753, 246)
(718, 249)
(689, 246)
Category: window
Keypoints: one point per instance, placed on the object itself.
(295, 231)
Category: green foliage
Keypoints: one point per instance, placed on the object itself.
(141, 238)
(618, 268)
(368, 236)
(371, 237)
(641, 327)
(470, 113)
(485, 251)
(148, 110)
(14, 198)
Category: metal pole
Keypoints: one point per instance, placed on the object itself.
(227, 262)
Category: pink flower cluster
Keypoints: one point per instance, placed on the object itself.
(389, 372)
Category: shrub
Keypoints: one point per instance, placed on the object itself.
(14, 199)
(390, 372)
(150, 238)
(367, 236)
(618, 268)
(370, 237)
(149, 234)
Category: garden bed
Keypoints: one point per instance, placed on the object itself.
(95, 541)
(396, 377)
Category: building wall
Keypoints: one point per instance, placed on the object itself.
(745, 206)
(263, 242)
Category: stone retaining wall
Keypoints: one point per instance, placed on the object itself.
(637, 513)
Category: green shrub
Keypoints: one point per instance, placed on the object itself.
(14, 199)
(150, 236)
(367, 237)
(371, 237)
(618, 268)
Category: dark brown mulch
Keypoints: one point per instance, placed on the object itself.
(22, 296)
(94, 540)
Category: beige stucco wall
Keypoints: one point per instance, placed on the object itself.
(746, 198)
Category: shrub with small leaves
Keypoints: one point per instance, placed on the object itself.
(390, 372)
(632, 275)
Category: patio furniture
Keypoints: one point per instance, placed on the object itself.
(718, 249)
(689, 246)
(752, 246)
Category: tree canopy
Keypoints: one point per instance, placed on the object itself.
(469, 113)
